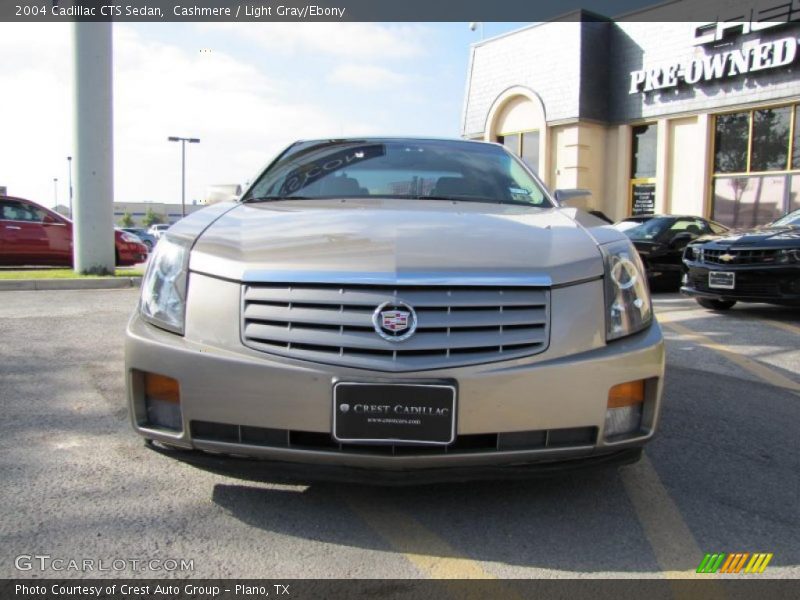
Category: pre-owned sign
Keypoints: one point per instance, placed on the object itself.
(751, 57)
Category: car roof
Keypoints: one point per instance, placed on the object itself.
(392, 139)
(21, 200)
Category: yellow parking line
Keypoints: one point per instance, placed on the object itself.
(673, 544)
(748, 364)
(670, 538)
(427, 551)
(781, 325)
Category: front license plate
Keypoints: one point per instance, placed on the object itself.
(394, 413)
(722, 280)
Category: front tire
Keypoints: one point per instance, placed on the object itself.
(715, 304)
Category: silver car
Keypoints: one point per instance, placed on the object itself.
(394, 310)
(158, 229)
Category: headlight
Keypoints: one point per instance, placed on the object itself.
(693, 253)
(163, 298)
(628, 307)
(788, 257)
(130, 238)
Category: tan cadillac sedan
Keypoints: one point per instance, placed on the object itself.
(394, 310)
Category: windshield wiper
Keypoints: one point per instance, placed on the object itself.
(479, 199)
(460, 198)
(275, 198)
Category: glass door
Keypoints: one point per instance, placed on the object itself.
(642, 198)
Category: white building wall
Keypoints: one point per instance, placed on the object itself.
(544, 58)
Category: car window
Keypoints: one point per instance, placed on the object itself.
(7, 212)
(626, 224)
(717, 228)
(650, 229)
(696, 227)
(18, 211)
(413, 169)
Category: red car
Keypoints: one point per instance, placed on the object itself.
(31, 234)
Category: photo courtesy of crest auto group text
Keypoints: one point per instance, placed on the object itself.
(377, 300)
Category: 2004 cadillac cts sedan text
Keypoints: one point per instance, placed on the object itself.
(396, 309)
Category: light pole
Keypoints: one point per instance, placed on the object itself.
(55, 192)
(93, 210)
(183, 141)
(69, 165)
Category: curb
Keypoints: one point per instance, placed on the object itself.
(109, 283)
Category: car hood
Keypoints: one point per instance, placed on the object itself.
(384, 241)
(770, 237)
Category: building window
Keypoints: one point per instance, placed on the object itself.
(756, 165)
(524, 144)
(643, 163)
(730, 143)
(769, 142)
(796, 140)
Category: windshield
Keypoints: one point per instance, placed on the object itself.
(647, 230)
(441, 170)
(793, 219)
(625, 225)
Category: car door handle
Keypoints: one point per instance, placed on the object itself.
(13, 227)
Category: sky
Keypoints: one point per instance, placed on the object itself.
(246, 90)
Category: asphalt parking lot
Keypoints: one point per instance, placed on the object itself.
(722, 476)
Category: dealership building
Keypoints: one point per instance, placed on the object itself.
(650, 116)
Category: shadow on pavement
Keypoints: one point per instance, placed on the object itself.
(724, 453)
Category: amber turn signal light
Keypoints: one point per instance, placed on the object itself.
(161, 387)
(626, 394)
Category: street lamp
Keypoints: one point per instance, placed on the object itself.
(69, 164)
(183, 141)
(55, 192)
(476, 25)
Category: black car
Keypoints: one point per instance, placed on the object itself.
(755, 265)
(661, 239)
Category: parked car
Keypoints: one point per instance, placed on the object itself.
(31, 234)
(395, 310)
(752, 265)
(157, 229)
(147, 238)
(661, 239)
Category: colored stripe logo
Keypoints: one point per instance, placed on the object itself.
(735, 563)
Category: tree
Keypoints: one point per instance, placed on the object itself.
(151, 217)
(126, 220)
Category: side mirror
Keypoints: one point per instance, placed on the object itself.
(574, 198)
(50, 219)
(681, 239)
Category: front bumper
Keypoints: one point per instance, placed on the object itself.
(234, 399)
(772, 284)
(293, 473)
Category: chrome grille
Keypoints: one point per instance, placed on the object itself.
(740, 257)
(458, 325)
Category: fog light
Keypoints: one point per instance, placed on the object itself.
(620, 421)
(162, 402)
(624, 411)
